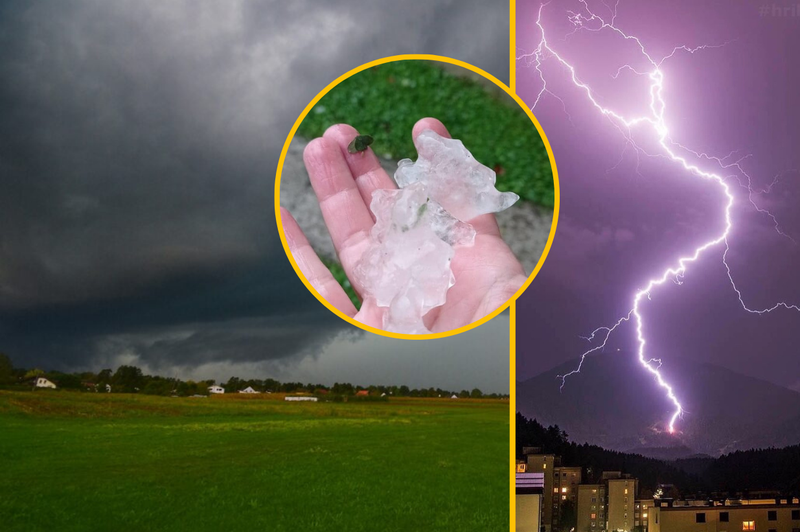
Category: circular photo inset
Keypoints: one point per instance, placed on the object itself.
(416, 197)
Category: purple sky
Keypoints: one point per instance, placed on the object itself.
(620, 226)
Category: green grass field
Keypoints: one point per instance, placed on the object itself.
(80, 461)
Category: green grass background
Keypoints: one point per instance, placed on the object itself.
(80, 461)
(387, 100)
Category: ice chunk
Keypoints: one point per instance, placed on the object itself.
(406, 268)
(453, 178)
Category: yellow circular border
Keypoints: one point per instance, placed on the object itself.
(423, 57)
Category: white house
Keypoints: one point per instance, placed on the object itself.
(454, 396)
(301, 398)
(249, 389)
(216, 389)
(42, 382)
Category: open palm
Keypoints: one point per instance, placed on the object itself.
(487, 274)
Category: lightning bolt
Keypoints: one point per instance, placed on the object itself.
(587, 20)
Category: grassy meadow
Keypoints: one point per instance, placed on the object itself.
(84, 461)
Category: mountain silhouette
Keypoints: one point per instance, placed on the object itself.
(615, 403)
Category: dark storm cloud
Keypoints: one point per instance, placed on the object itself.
(138, 147)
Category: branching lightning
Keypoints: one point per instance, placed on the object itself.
(587, 20)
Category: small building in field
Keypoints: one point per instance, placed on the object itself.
(216, 389)
(362, 393)
(249, 389)
(42, 382)
(454, 396)
(300, 398)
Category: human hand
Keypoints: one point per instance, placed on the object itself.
(487, 274)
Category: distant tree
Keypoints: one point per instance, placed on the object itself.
(403, 391)
(234, 384)
(476, 393)
(104, 377)
(464, 394)
(127, 379)
(343, 388)
(70, 381)
(33, 374)
(568, 517)
(6, 370)
(159, 386)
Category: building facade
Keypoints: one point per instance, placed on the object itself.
(642, 514)
(621, 504)
(544, 464)
(591, 508)
(529, 501)
(560, 487)
(611, 505)
(565, 494)
(781, 515)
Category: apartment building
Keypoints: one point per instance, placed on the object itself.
(529, 497)
(771, 515)
(560, 486)
(591, 508)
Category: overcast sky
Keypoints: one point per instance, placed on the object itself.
(138, 150)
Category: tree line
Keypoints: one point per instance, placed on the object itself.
(131, 379)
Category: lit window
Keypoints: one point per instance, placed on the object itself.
(563, 490)
(748, 525)
(644, 514)
(521, 468)
(563, 497)
(544, 466)
(626, 491)
(594, 516)
(594, 491)
(555, 490)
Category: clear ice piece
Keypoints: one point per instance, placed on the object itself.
(453, 177)
(406, 268)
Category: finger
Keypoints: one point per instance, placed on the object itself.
(485, 224)
(345, 213)
(312, 268)
(429, 123)
(365, 167)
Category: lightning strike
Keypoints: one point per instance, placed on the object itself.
(586, 20)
